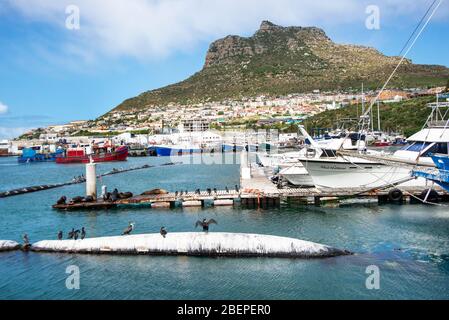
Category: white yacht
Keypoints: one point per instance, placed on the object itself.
(289, 165)
(372, 171)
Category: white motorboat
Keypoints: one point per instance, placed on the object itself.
(289, 165)
(297, 175)
(383, 170)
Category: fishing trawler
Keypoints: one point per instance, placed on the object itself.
(359, 170)
(38, 154)
(105, 153)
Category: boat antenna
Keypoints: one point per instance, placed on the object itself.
(405, 53)
(374, 101)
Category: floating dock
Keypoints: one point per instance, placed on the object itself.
(194, 244)
(26, 190)
(8, 245)
(258, 191)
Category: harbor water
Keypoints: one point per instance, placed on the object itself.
(409, 243)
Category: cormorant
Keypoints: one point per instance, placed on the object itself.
(205, 224)
(71, 234)
(237, 188)
(26, 242)
(75, 234)
(215, 190)
(129, 229)
(163, 232)
(227, 190)
(60, 235)
(83, 233)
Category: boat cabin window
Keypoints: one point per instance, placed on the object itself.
(416, 146)
(440, 148)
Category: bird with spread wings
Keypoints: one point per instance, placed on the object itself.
(205, 224)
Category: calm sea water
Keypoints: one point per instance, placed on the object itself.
(409, 244)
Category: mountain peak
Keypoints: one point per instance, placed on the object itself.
(268, 25)
(279, 60)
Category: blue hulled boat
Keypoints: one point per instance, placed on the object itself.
(31, 155)
(167, 150)
(440, 175)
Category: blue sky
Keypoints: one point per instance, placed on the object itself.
(49, 74)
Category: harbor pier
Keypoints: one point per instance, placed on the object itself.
(256, 190)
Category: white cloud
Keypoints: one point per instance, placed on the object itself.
(3, 108)
(154, 28)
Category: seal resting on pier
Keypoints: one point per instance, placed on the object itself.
(154, 192)
(195, 244)
(62, 200)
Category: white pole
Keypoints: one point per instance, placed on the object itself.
(91, 180)
(245, 170)
(378, 116)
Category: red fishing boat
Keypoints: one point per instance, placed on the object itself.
(79, 155)
(382, 144)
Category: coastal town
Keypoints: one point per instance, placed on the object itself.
(135, 126)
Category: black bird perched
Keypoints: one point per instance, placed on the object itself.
(198, 191)
(60, 235)
(83, 233)
(75, 234)
(163, 232)
(205, 224)
(237, 188)
(71, 234)
(186, 192)
(129, 229)
(227, 190)
(181, 192)
(215, 190)
(26, 242)
(176, 193)
(209, 191)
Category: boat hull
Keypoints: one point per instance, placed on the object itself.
(297, 176)
(161, 151)
(39, 158)
(339, 173)
(121, 154)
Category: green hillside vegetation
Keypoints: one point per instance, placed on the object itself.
(283, 60)
(406, 117)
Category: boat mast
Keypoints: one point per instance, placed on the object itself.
(378, 116)
(363, 101)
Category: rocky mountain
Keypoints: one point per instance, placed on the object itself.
(281, 60)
